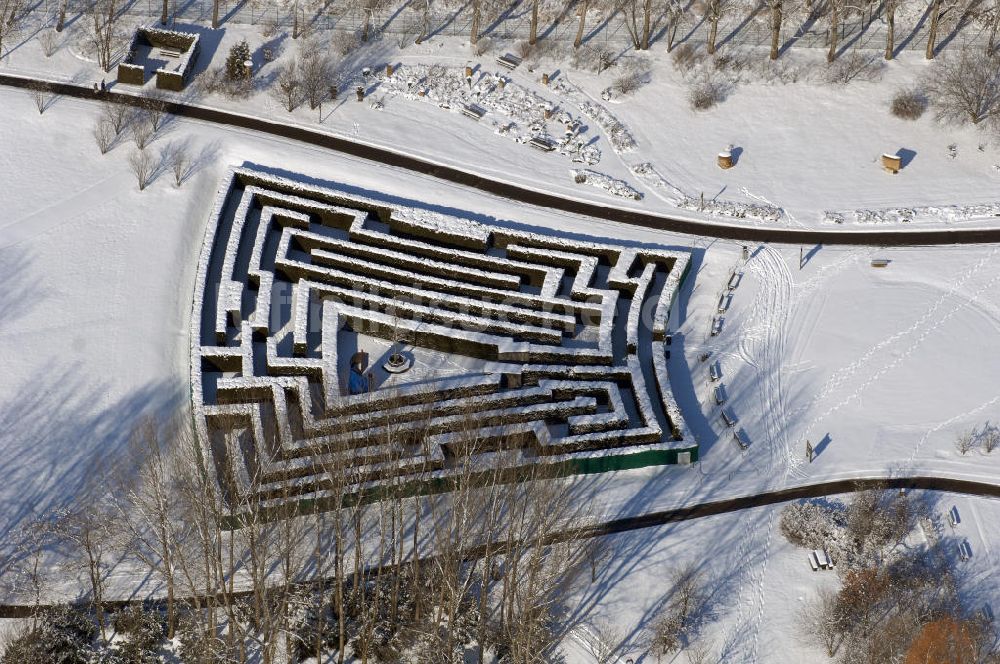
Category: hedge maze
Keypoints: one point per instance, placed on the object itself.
(557, 348)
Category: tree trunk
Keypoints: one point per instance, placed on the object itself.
(932, 31)
(775, 28)
(474, 30)
(831, 55)
(533, 35)
(712, 34)
(426, 22)
(991, 44)
(647, 12)
(215, 14)
(890, 30)
(164, 12)
(61, 21)
(581, 25)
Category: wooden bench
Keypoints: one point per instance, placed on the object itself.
(170, 52)
(728, 418)
(508, 61)
(741, 440)
(542, 144)
(880, 262)
(724, 301)
(719, 392)
(734, 280)
(716, 325)
(473, 111)
(714, 372)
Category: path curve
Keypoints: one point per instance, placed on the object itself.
(940, 236)
(659, 518)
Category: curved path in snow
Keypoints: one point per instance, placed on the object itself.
(653, 519)
(941, 236)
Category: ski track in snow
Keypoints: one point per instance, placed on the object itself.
(927, 323)
(762, 346)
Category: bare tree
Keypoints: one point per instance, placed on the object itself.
(142, 132)
(116, 115)
(49, 41)
(965, 441)
(315, 73)
(935, 12)
(154, 109)
(180, 164)
(776, 8)
(818, 623)
(701, 652)
(148, 509)
(142, 166)
(672, 14)
(606, 640)
(61, 15)
(28, 575)
(105, 135)
(713, 11)
(37, 92)
(891, 7)
(104, 34)
(582, 7)
(597, 551)
(991, 17)
(965, 87)
(87, 537)
(369, 9)
(288, 86)
(637, 15)
(533, 29)
(835, 15)
(12, 16)
(991, 438)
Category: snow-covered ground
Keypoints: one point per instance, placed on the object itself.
(879, 368)
(806, 152)
(889, 363)
(751, 618)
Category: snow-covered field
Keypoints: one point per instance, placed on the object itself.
(806, 152)
(879, 368)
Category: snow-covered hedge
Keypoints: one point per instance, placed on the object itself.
(540, 311)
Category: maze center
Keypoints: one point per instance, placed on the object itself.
(335, 335)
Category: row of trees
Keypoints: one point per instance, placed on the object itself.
(642, 19)
(246, 570)
(896, 603)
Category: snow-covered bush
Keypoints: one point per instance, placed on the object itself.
(63, 634)
(966, 87)
(908, 104)
(592, 58)
(706, 92)
(686, 57)
(141, 633)
(344, 42)
(482, 46)
(810, 525)
(858, 66)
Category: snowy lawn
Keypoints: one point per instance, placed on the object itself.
(806, 152)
